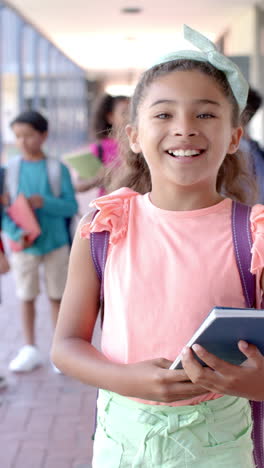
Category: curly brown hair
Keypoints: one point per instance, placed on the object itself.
(235, 179)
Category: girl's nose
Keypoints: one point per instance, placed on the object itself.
(184, 128)
(185, 132)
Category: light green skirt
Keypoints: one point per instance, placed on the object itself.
(212, 434)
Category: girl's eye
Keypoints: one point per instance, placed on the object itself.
(205, 116)
(162, 115)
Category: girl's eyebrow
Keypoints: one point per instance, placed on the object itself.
(208, 101)
(196, 101)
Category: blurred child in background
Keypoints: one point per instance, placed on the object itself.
(250, 146)
(51, 248)
(108, 120)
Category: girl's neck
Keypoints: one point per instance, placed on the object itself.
(184, 199)
(34, 157)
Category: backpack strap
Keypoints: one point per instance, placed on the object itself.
(99, 242)
(12, 177)
(242, 244)
(242, 241)
(2, 190)
(257, 409)
(100, 152)
(2, 179)
(54, 175)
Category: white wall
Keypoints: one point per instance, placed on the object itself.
(240, 39)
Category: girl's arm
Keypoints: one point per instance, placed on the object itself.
(245, 381)
(73, 353)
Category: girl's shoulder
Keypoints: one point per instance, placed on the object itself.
(110, 213)
(257, 229)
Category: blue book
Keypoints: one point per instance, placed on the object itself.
(221, 331)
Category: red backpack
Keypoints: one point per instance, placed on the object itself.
(242, 241)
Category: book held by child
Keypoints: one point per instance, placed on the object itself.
(223, 328)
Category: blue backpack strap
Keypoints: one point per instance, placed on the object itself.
(242, 240)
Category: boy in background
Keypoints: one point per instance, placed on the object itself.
(51, 248)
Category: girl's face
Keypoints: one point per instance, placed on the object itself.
(184, 129)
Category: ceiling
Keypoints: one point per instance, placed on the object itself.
(96, 35)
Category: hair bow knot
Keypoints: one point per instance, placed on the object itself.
(209, 53)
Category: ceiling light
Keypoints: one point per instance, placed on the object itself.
(131, 10)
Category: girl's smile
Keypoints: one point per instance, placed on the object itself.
(185, 154)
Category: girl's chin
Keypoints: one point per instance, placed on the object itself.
(182, 183)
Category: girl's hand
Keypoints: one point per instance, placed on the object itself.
(245, 381)
(153, 380)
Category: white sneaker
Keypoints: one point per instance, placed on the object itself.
(55, 369)
(27, 359)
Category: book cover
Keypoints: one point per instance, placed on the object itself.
(223, 328)
(22, 214)
(85, 163)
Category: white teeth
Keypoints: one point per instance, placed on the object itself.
(184, 153)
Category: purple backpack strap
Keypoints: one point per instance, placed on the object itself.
(99, 245)
(242, 240)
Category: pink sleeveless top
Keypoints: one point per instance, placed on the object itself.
(165, 271)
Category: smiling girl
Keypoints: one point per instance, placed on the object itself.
(170, 261)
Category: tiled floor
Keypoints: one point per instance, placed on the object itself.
(46, 419)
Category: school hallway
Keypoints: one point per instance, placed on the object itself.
(46, 419)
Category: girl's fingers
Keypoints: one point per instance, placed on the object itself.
(173, 375)
(163, 363)
(211, 360)
(210, 377)
(185, 391)
(251, 351)
(189, 389)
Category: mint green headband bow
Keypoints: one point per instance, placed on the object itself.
(209, 53)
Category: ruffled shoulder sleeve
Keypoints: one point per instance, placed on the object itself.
(112, 215)
(257, 228)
